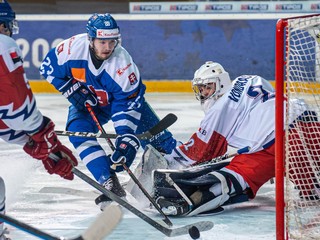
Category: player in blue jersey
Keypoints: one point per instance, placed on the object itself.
(93, 68)
(21, 122)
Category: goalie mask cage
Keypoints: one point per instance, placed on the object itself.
(297, 145)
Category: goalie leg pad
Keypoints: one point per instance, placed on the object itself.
(189, 176)
(230, 188)
(187, 179)
(196, 171)
(207, 192)
(205, 180)
(151, 160)
(173, 192)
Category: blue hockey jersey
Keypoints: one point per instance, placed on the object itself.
(116, 83)
(119, 90)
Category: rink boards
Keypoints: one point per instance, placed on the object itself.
(167, 48)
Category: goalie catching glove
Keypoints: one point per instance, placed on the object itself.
(78, 94)
(126, 146)
(43, 144)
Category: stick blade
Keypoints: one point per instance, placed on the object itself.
(164, 123)
(104, 223)
(201, 226)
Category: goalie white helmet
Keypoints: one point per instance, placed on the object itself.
(210, 82)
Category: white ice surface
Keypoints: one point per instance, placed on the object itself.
(69, 215)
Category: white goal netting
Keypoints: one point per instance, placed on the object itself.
(302, 137)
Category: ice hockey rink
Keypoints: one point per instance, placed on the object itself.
(66, 208)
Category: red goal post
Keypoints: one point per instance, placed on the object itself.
(297, 67)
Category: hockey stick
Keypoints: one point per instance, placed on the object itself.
(222, 157)
(170, 232)
(70, 191)
(101, 227)
(94, 117)
(163, 124)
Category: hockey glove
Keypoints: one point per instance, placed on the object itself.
(127, 146)
(78, 94)
(63, 166)
(44, 143)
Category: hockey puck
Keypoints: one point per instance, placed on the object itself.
(194, 232)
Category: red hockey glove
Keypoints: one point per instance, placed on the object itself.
(63, 166)
(44, 143)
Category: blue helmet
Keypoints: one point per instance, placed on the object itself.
(8, 16)
(102, 26)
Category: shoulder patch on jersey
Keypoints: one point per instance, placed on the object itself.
(120, 71)
(79, 74)
(132, 78)
(60, 48)
(15, 57)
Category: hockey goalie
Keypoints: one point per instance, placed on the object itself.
(238, 114)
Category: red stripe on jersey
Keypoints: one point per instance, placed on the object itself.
(14, 89)
(3, 67)
(199, 151)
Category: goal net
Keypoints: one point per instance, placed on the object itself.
(298, 127)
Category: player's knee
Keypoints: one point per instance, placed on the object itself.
(73, 126)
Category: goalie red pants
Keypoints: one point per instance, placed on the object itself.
(256, 168)
(304, 163)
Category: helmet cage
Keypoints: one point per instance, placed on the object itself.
(198, 84)
(205, 76)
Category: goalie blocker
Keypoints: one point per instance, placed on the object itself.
(201, 190)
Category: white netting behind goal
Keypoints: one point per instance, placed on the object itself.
(302, 139)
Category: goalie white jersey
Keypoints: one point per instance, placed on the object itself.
(242, 117)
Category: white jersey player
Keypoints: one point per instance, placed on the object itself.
(21, 122)
(239, 114)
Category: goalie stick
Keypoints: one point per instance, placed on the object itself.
(222, 157)
(163, 124)
(101, 227)
(170, 232)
